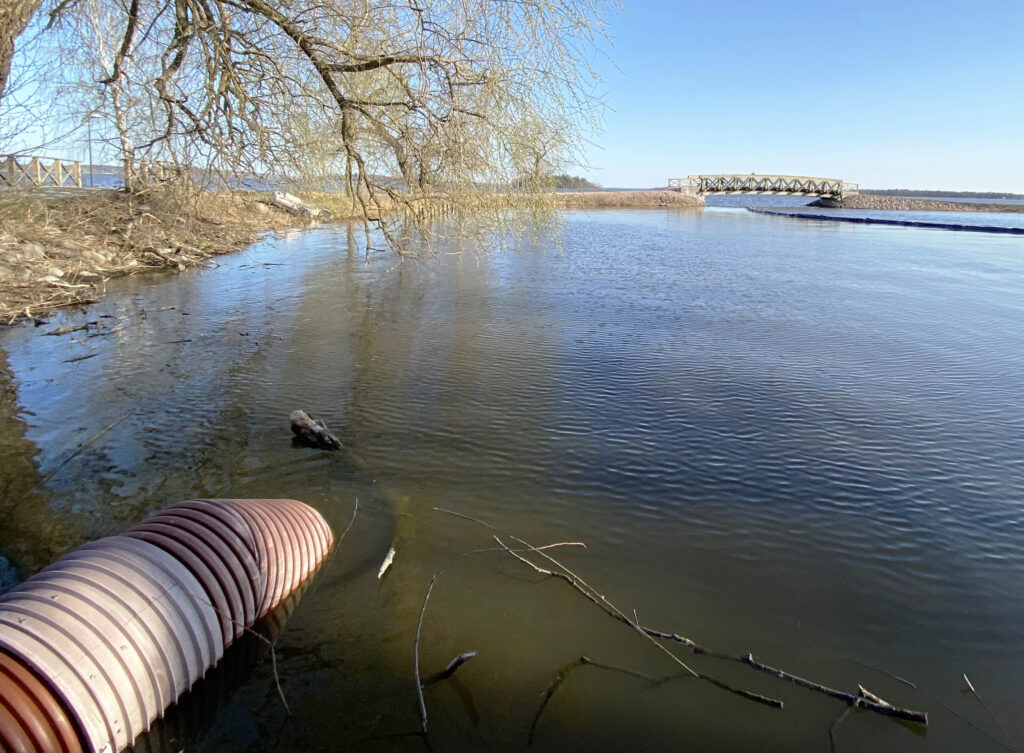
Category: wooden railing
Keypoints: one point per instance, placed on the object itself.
(153, 173)
(41, 171)
(37, 172)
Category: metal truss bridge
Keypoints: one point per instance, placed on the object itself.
(797, 185)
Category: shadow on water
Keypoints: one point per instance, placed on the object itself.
(32, 534)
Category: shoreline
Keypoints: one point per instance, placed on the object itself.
(907, 204)
(60, 250)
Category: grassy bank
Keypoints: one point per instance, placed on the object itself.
(59, 251)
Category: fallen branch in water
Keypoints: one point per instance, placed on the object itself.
(567, 576)
(582, 587)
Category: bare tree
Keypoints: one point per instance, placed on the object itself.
(412, 101)
(14, 17)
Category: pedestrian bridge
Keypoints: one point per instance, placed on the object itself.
(797, 185)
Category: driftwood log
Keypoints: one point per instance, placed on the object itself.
(313, 432)
(295, 205)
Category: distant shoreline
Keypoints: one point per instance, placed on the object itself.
(907, 204)
(656, 199)
(887, 221)
(924, 194)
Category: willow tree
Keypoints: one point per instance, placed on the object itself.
(414, 100)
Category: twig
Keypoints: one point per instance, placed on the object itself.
(569, 577)
(564, 673)
(416, 657)
(74, 453)
(970, 686)
(879, 706)
(582, 587)
(452, 668)
(80, 358)
(919, 717)
(466, 517)
(835, 727)
(423, 609)
(940, 702)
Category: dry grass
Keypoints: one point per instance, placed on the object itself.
(60, 251)
(626, 200)
(910, 204)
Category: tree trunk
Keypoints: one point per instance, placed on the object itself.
(14, 17)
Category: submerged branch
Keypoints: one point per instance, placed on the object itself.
(862, 700)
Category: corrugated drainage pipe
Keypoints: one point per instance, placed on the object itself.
(99, 644)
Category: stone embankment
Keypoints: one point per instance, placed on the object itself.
(907, 204)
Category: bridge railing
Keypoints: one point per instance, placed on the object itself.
(40, 171)
(801, 185)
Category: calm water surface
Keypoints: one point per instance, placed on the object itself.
(796, 439)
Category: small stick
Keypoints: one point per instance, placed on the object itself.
(572, 579)
(970, 686)
(416, 657)
(388, 559)
(564, 673)
(423, 609)
(835, 727)
(76, 451)
(942, 703)
(350, 522)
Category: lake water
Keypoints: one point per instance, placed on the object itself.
(801, 440)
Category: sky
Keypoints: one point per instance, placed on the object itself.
(893, 94)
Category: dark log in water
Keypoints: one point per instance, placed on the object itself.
(313, 432)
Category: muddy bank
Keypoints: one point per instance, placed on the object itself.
(57, 251)
(626, 200)
(904, 204)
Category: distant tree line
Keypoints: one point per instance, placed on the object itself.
(573, 183)
(940, 194)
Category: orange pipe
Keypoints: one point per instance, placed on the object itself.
(95, 647)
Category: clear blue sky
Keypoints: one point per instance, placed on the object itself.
(889, 94)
